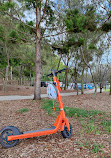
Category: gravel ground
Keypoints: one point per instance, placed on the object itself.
(53, 146)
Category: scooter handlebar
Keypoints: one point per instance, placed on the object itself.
(59, 71)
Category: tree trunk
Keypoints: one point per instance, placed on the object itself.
(4, 85)
(8, 64)
(11, 74)
(66, 77)
(6, 74)
(76, 86)
(33, 79)
(101, 87)
(110, 85)
(82, 81)
(24, 80)
(20, 75)
(95, 88)
(30, 78)
(37, 88)
(86, 81)
(75, 80)
(59, 63)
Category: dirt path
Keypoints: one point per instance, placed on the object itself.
(18, 97)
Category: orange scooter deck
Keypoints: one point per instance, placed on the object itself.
(36, 133)
(41, 132)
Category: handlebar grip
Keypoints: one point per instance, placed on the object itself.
(49, 74)
(59, 71)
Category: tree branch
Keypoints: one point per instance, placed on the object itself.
(14, 39)
(21, 21)
(87, 65)
(43, 14)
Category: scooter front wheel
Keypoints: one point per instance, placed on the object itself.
(65, 133)
(8, 131)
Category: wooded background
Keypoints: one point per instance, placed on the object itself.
(40, 35)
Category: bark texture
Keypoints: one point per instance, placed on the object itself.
(82, 81)
(37, 90)
(110, 85)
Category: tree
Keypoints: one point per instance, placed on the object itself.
(80, 24)
(42, 12)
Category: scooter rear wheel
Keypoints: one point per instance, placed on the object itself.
(8, 131)
(66, 133)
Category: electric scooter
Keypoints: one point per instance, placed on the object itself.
(10, 135)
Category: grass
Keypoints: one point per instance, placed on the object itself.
(23, 110)
(69, 111)
(106, 90)
(94, 148)
(85, 144)
(91, 121)
(89, 127)
(48, 106)
(107, 125)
